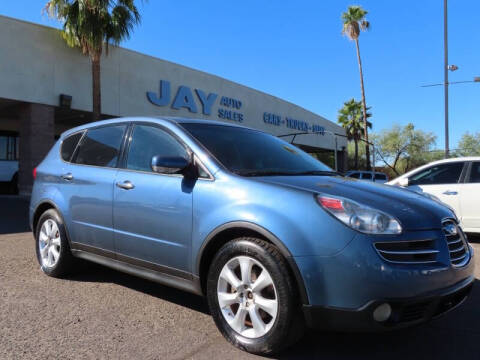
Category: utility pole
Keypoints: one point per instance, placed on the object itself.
(445, 70)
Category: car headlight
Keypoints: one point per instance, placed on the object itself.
(358, 216)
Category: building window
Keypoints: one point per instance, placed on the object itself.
(9, 146)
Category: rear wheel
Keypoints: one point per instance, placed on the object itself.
(53, 250)
(252, 297)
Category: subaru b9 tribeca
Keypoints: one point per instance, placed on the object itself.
(274, 239)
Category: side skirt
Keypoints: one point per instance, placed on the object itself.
(190, 285)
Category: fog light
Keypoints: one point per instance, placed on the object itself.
(382, 312)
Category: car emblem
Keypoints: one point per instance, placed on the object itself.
(450, 229)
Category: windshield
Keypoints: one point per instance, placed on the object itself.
(253, 153)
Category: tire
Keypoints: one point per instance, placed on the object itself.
(263, 332)
(57, 240)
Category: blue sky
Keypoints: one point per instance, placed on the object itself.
(295, 50)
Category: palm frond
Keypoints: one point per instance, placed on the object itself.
(353, 21)
(364, 25)
(88, 24)
(350, 117)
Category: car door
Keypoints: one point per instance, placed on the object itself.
(91, 177)
(441, 181)
(470, 199)
(152, 211)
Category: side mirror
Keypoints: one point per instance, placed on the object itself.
(403, 182)
(169, 164)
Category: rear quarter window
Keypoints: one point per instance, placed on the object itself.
(69, 145)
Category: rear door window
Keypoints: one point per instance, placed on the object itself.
(101, 146)
(366, 176)
(354, 175)
(380, 176)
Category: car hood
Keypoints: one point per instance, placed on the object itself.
(415, 211)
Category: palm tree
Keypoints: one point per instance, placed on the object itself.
(88, 24)
(353, 23)
(350, 116)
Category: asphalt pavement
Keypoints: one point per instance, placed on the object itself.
(100, 313)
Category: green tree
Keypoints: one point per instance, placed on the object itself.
(88, 24)
(354, 23)
(350, 116)
(403, 148)
(469, 145)
(351, 156)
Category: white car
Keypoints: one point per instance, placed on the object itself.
(376, 176)
(456, 182)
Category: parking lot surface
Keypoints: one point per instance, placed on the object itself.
(101, 313)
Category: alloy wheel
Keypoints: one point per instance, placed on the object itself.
(247, 296)
(49, 243)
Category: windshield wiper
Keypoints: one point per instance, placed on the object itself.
(318, 172)
(266, 172)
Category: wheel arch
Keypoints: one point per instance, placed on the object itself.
(232, 230)
(40, 209)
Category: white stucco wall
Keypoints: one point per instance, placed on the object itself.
(37, 66)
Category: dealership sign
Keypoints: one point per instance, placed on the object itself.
(201, 101)
(229, 108)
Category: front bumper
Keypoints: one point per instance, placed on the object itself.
(405, 312)
(357, 275)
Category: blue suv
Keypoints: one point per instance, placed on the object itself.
(274, 239)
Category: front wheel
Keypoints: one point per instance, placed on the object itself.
(253, 298)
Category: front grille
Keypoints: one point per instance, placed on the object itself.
(408, 252)
(457, 244)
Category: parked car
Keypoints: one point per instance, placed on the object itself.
(368, 175)
(9, 161)
(456, 182)
(273, 238)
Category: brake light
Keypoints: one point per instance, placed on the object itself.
(34, 172)
(330, 203)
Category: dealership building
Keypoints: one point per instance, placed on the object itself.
(45, 89)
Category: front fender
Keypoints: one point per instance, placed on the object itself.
(291, 216)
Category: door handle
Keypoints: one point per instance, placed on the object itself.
(67, 176)
(450, 192)
(126, 185)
